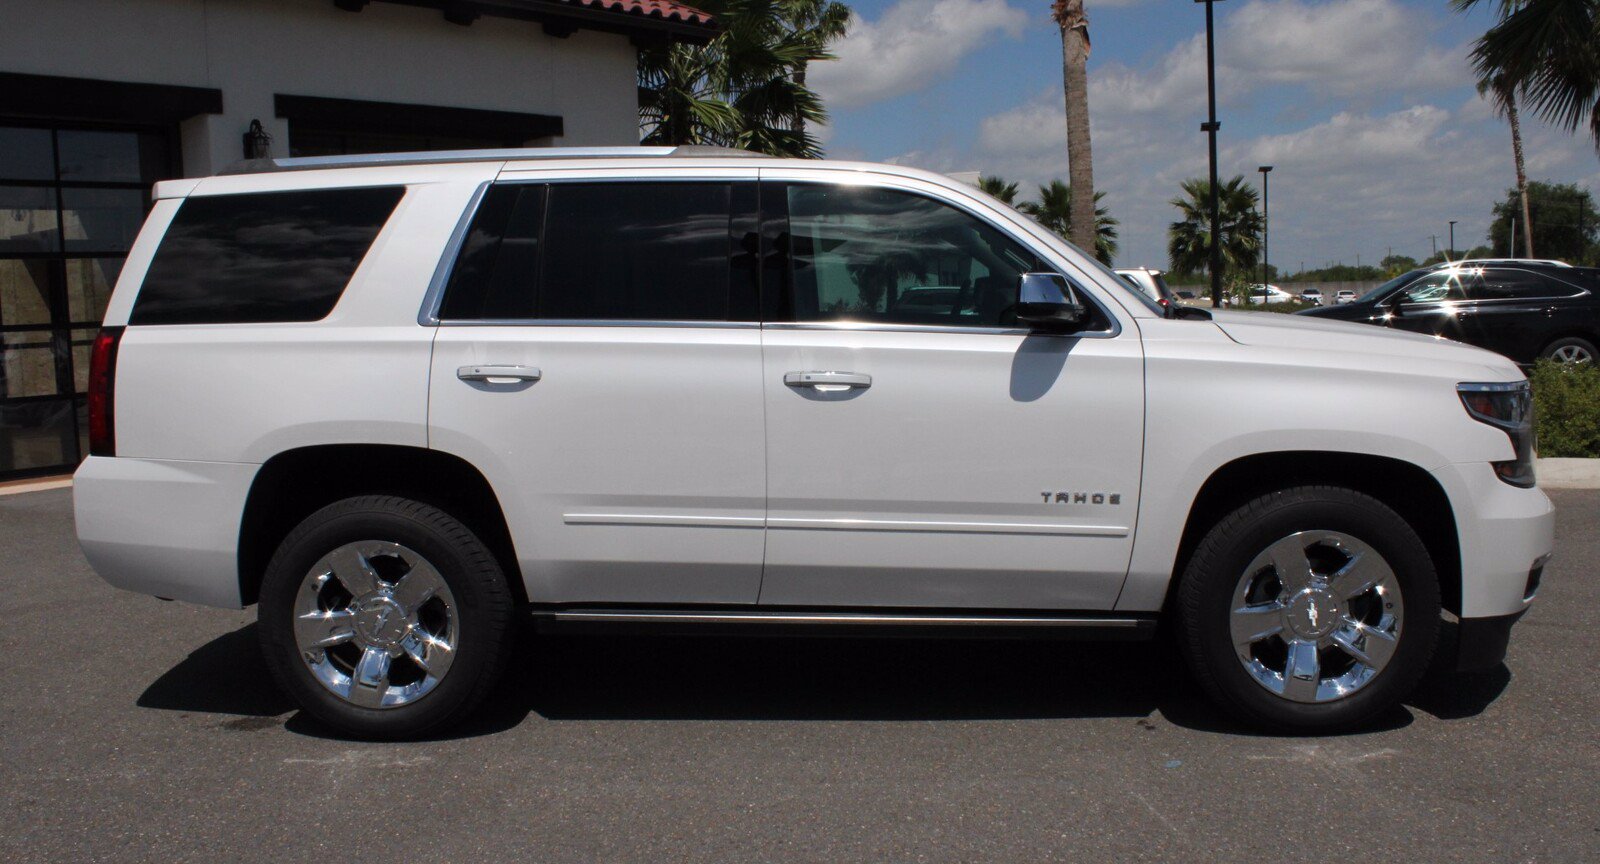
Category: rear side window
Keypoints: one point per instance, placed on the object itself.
(1507, 284)
(261, 257)
(599, 251)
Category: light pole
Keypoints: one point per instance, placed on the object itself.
(1266, 226)
(1210, 127)
(1451, 250)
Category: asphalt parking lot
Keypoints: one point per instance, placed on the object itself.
(136, 730)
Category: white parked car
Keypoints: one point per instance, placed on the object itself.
(399, 402)
(1344, 298)
(1260, 295)
(1312, 296)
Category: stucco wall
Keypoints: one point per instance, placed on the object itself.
(252, 49)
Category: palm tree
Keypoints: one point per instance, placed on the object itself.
(1549, 51)
(1074, 24)
(1505, 102)
(746, 87)
(999, 188)
(1055, 212)
(821, 22)
(1189, 239)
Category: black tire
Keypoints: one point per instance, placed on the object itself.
(483, 606)
(1207, 590)
(1570, 344)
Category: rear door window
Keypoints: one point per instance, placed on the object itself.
(261, 257)
(1504, 283)
(632, 251)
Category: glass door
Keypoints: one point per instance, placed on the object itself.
(71, 202)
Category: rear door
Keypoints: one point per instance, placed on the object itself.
(1516, 312)
(923, 450)
(598, 357)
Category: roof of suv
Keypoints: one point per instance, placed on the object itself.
(1482, 262)
(446, 157)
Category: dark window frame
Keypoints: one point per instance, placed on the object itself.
(100, 104)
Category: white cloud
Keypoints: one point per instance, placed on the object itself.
(913, 45)
(1341, 49)
(1387, 145)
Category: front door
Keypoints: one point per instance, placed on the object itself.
(598, 359)
(923, 451)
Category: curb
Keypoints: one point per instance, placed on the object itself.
(1567, 473)
(39, 485)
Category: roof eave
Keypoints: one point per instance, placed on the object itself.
(559, 17)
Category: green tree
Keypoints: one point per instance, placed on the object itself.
(1394, 265)
(1548, 51)
(746, 87)
(1189, 239)
(1074, 24)
(1000, 188)
(1566, 225)
(1055, 212)
(821, 22)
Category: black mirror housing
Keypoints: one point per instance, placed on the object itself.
(1047, 301)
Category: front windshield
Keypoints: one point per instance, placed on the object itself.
(1397, 282)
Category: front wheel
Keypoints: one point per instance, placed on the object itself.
(1311, 609)
(384, 617)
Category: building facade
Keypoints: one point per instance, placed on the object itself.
(101, 98)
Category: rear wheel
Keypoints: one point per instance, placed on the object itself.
(1570, 350)
(384, 617)
(1314, 608)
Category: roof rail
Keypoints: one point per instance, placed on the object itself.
(434, 157)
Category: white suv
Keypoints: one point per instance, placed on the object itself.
(399, 401)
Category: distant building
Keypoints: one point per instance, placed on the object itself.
(100, 98)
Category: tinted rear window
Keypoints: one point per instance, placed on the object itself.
(599, 251)
(637, 251)
(262, 257)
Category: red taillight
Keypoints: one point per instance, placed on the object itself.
(102, 393)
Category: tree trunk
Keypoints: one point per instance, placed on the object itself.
(1510, 98)
(798, 123)
(1080, 155)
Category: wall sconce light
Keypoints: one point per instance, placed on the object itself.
(257, 143)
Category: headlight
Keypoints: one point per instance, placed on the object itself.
(1507, 406)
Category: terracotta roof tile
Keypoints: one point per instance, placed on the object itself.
(666, 10)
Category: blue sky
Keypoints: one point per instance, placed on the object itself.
(1365, 107)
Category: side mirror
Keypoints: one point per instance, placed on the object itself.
(1046, 301)
(1394, 303)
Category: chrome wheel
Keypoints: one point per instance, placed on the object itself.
(1316, 616)
(1571, 354)
(376, 624)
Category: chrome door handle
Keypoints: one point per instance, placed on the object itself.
(828, 382)
(499, 374)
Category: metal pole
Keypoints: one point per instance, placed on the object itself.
(1451, 251)
(1210, 127)
(1266, 227)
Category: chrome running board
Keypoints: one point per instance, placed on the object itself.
(860, 622)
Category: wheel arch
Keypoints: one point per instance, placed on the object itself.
(296, 483)
(1406, 487)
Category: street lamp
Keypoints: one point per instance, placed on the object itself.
(1210, 127)
(1266, 226)
(1452, 249)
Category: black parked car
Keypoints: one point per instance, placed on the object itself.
(1524, 310)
